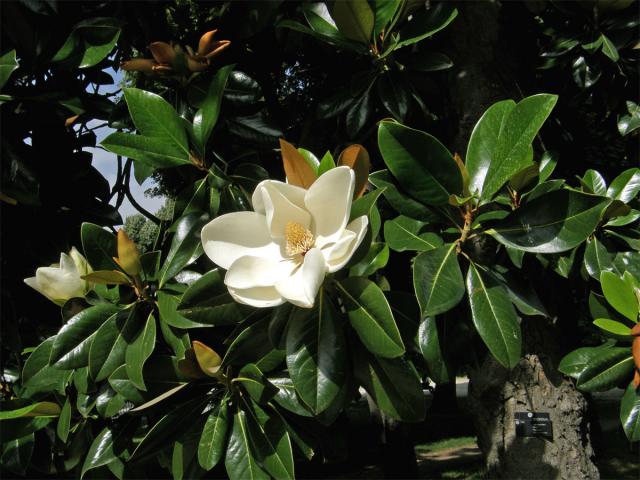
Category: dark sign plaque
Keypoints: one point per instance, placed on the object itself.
(532, 424)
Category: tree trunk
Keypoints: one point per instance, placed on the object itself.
(534, 385)
(483, 62)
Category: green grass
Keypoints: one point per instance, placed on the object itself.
(444, 444)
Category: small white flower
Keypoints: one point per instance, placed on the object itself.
(62, 281)
(282, 251)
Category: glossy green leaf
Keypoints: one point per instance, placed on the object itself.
(108, 402)
(326, 163)
(574, 363)
(354, 20)
(393, 384)
(207, 115)
(552, 223)
(629, 123)
(38, 376)
(494, 317)
(269, 441)
(11, 409)
(426, 23)
(167, 307)
(287, 397)
(523, 296)
(500, 144)
(620, 295)
(71, 347)
(99, 247)
(597, 258)
(155, 152)
(170, 427)
(316, 354)
(110, 343)
(394, 95)
(383, 11)
(139, 350)
(612, 326)
(606, 369)
(90, 42)
(101, 452)
(437, 280)
(185, 247)
(17, 454)
(375, 259)
(430, 62)
(8, 64)
(547, 165)
(420, 163)
(403, 233)
(630, 413)
(401, 203)
(360, 113)
(207, 301)
(609, 49)
(213, 440)
(256, 384)
(239, 460)
(594, 182)
(64, 421)
(431, 349)
(333, 38)
(625, 187)
(371, 317)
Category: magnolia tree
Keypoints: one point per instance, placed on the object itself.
(267, 307)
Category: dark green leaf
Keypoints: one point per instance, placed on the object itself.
(371, 317)
(394, 95)
(630, 413)
(552, 223)
(354, 20)
(574, 363)
(403, 233)
(213, 440)
(401, 203)
(500, 144)
(594, 182)
(139, 350)
(437, 280)
(384, 10)
(375, 259)
(431, 62)
(394, 385)
(154, 152)
(8, 64)
(429, 343)
(494, 317)
(111, 341)
(316, 354)
(287, 397)
(420, 163)
(89, 43)
(71, 346)
(360, 113)
(64, 421)
(207, 115)
(269, 441)
(17, 453)
(597, 259)
(625, 187)
(256, 384)
(99, 247)
(186, 246)
(426, 23)
(38, 376)
(606, 369)
(239, 460)
(101, 452)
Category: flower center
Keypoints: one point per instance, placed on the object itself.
(298, 239)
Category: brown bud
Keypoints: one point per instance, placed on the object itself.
(162, 52)
(636, 379)
(144, 65)
(635, 351)
(196, 64)
(635, 331)
(205, 45)
(357, 157)
(217, 48)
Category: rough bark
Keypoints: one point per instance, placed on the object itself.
(534, 385)
(486, 61)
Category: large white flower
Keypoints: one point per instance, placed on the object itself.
(282, 251)
(62, 281)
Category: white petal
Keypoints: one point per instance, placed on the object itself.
(249, 272)
(292, 193)
(260, 297)
(234, 235)
(67, 264)
(56, 284)
(82, 265)
(33, 283)
(342, 252)
(302, 287)
(329, 202)
(279, 210)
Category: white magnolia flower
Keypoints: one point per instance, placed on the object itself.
(282, 251)
(62, 281)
